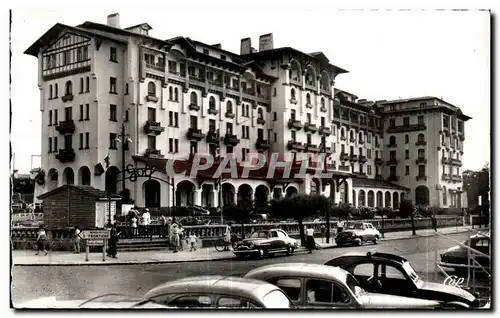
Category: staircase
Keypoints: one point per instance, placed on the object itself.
(146, 244)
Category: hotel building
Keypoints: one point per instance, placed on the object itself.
(171, 98)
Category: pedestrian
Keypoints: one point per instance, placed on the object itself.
(146, 221)
(113, 242)
(192, 239)
(134, 224)
(163, 222)
(434, 222)
(76, 241)
(175, 237)
(227, 236)
(310, 243)
(40, 240)
(323, 233)
(181, 237)
(340, 226)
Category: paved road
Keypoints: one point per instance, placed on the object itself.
(78, 282)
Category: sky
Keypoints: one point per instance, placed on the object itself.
(389, 54)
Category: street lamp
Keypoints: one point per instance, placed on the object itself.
(327, 212)
(124, 139)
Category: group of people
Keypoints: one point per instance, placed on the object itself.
(139, 222)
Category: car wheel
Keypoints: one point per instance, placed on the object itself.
(375, 240)
(359, 241)
(290, 250)
(261, 253)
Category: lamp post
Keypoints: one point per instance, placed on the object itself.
(327, 212)
(124, 139)
(219, 158)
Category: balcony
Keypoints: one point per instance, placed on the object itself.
(262, 144)
(309, 105)
(66, 155)
(67, 98)
(392, 145)
(212, 137)
(66, 127)
(343, 138)
(231, 140)
(352, 140)
(362, 159)
(393, 178)
(213, 111)
(194, 107)
(392, 162)
(406, 128)
(153, 127)
(195, 134)
(312, 148)
(378, 177)
(421, 161)
(379, 161)
(249, 91)
(152, 98)
(423, 178)
(153, 154)
(421, 143)
(235, 88)
(260, 121)
(377, 145)
(310, 127)
(344, 156)
(229, 115)
(217, 82)
(294, 124)
(327, 150)
(456, 178)
(461, 136)
(444, 161)
(322, 109)
(445, 177)
(294, 145)
(344, 168)
(197, 78)
(157, 67)
(323, 130)
(361, 141)
(293, 101)
(353, 157)
(455, 162)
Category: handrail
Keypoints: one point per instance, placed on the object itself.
(464, 246)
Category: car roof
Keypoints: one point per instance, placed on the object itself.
(355, 256)
(214, 284)
(298, 269)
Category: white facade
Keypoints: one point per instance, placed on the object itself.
(170, 94)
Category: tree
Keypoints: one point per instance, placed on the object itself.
(477, 183)
(239, 213)
(407, 209)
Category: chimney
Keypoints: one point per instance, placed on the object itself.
(246, 46)
(266, 42)
(114, 20)
(217, 46)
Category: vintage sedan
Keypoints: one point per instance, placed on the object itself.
(458, 255)
(393, 275)
(265, 243)
(218, 292)
(358, 233)
(320, 286)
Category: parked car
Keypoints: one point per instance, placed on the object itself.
(266, 242)
(218, 292)
(393, 275)
(357, 233)
(320, 286)
(458, 255)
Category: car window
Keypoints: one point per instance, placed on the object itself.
(259, 234)
(291, 287)
(323, 291)
(281, 234)
(392, 272)
(273, 234)
(364, 269)
(483, 242)
(234, 302)
(192, 301)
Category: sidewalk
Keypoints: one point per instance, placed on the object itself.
(28, 258)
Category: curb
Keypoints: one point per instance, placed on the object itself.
(152, 262)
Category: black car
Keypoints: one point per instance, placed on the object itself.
(458, 255)
(392, 274)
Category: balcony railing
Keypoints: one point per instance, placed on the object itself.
(362, 159)
(294, 124)
(423, 178)
(322, 109)
(421, 161)
(378, 177)
(262, 144)
(421, 143)
(156, 67)
(310, 127)
(66, 155)
(67, 97)
(353, 157)
(153, 154)
(309, 105)
(393, 178)
(455, 162)
(229, 115)
(293, 101)
(231, 140)
(152, 98)
(312, 148)
(153, 127)
(261, 121)
(323, 130)
(444, 160)
(195, 134)
(213, 111)
(461, 136)
(456, 178)
(352, 140)
(343, 138)
(344, 156)
(196, 78)
(66, 127)
(379, 161)
(294, 145)
(361, 141)
(406, 128)
(377, 144)
(392, 145)
(392, 161)
(212, 137)
(249, 91)
(217, 82)
(194, 107)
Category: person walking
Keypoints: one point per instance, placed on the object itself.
(434, 222)
(192, 240)
(227, 236)
(40, 240)
(113, 242)
(340, 226)
(146, 221)
(163, 222)
(323, 233)
(175, 237)
(76, 241)
(181, 237)
(310, 243)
